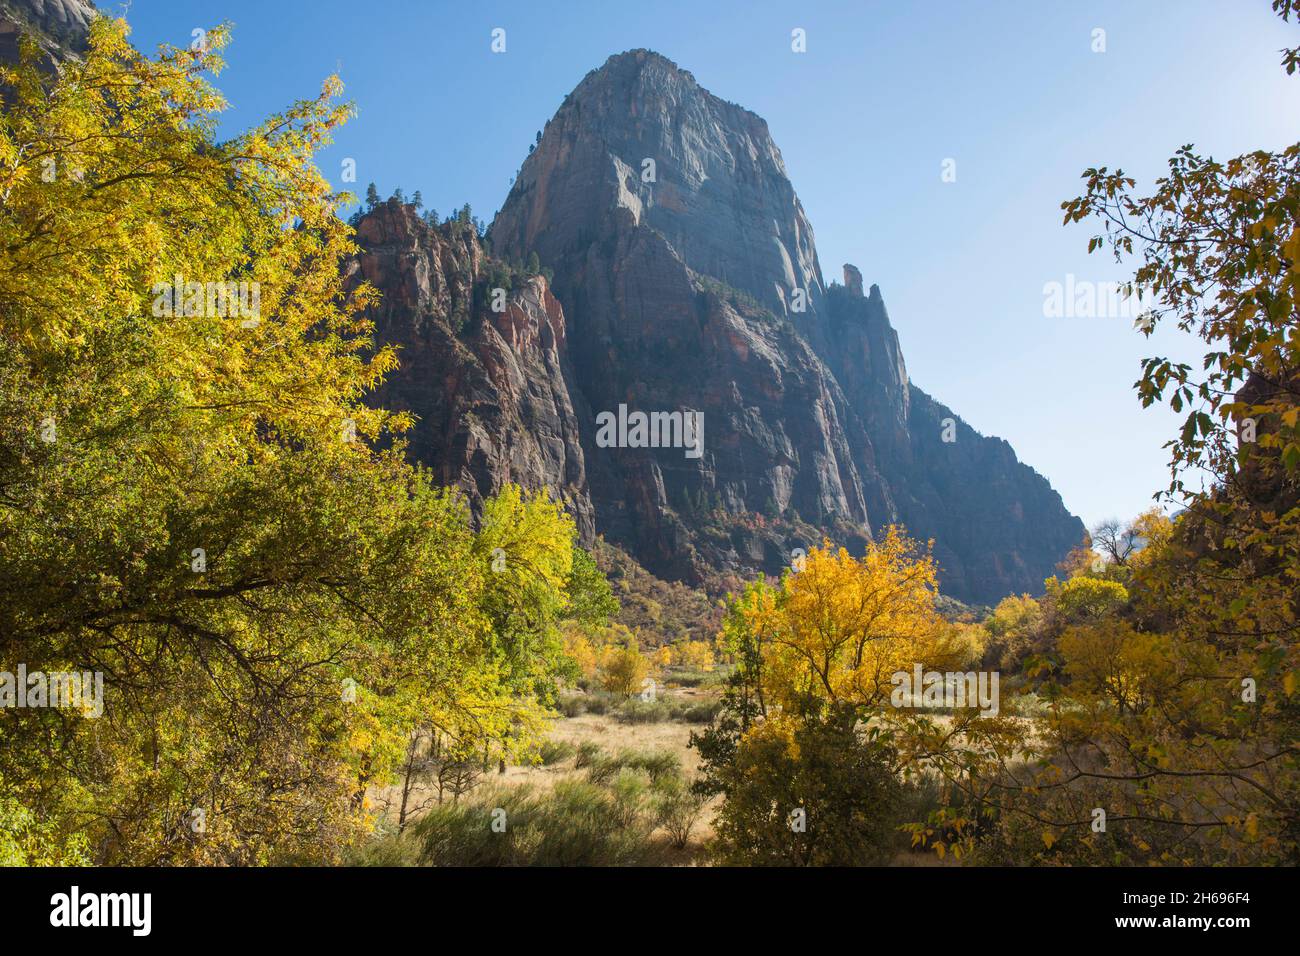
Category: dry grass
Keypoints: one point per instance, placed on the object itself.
(611, 736)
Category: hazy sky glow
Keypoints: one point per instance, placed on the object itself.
(865, 119)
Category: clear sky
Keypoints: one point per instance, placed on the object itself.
(886, 92)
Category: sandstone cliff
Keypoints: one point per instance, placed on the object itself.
(689, 275)
(491, 390)
(59, 27)
(686, 277)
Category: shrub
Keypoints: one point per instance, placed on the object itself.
(644, 712)
(664, 709)
(656, 764)
(556, 751)
(386, 848)
(587, 753)
(659, 764)
(820, 770)
(701, 713)
(677, 809)
(575, 824)
(631, 790)
(687, 677)
(572, 705)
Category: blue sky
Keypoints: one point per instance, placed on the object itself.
(886, 91)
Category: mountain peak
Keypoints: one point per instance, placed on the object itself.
(638, 59)
(640, 139)
(689, 278)
(647, 82)
(645, 65)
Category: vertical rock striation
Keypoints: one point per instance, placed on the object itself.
(689, 279)
(491, 390)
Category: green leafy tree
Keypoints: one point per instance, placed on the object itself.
(815, 791)
(192, 500)
(1086, 598)
(591, 599)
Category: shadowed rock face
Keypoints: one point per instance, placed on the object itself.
(685, 278)
(59, 27)
(491, 389)
(689, 280)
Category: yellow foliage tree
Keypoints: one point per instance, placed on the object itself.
(843, 625)
(623, 669)
(193, 504)
(695, 654)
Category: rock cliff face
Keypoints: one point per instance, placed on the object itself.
(689, 279)
(686, 278)
(59, 27)
(491, 389)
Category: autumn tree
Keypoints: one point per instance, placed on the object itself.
(807, 721)
(1170, 735)
(192, 502)
(624, 668)
(1115, 540)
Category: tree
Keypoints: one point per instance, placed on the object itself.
(1115, 540)
(1122, 542)
(623, 669)
(1014, 629)
(579, 649)
(372, 196)
(694, 654)
(1227, 226)
(591, 599)
(843, 626)
(817, 791)
(1086, 598)
(807, 719)
(1176, 715)
(525, 545)
(417, 201)
(192, 499)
